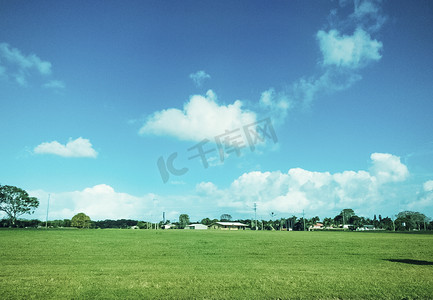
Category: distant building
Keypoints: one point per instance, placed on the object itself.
(317, 226)
(196, 226)
(135, 227)
(366, 227)
(168, 226)
(229, 226)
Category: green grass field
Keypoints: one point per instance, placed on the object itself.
(182, 264)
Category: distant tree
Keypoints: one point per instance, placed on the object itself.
(225, 218)
(16, 202)
(386, 224)
(206, 221)
(141, 225)
(315, 219)
(81, 220)
(410, 220)
(347, 213)
(338, 220)
(183, 220)
(327, 222)
(355, 221)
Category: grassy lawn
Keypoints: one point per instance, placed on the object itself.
(185, 264)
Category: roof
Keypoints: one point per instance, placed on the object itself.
(231, 224)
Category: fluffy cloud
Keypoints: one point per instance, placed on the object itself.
(388, 168)
(98, 202)
(199, 77)
(316, 192)
(353, 51)
(74, 148)
(17, 65)
(202, 117)
(342, 57)
(291, 192)
(102, 202)
(425, 198)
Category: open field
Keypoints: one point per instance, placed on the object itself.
(137, 264)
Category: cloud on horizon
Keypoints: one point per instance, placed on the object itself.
(74, 148)
(318, 193)
(285, 193)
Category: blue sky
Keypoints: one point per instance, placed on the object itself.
(94, 93)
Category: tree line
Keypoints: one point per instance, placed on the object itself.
(16, 202)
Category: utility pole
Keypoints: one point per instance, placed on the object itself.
(48, 207)
(255, 213)
(303, 217)
(163, 218)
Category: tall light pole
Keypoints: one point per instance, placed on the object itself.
(48, 207)
(255, 213)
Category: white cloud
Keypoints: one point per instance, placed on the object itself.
(202, 117)
(286, 193)
(388, 168)
(199, 77)
(353, 51)
(316, 192)
(367, 13)
(102, 202)
(54, 84)
(17, 65)
(424, 199)
(98, 202)
(276, 103)
(305, 90)
(74, 148)
(342, 57)
(428, 186)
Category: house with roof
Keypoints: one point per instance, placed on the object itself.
(229, 226)
(196, 226)
(317, 226)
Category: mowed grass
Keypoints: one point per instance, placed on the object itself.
(182, 264)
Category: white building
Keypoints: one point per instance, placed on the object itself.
(196, 226)
(230, 226)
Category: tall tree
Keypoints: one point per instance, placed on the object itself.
(225, 217)
(183, 220)
(16, 202)
(80, 220)
(347, 213)
(412, 219)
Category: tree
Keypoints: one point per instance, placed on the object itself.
(206, 221)
(16, 202)
(225, 217)
(327, 222)
(411, 220)
(347, 213)
(183, 220)
(80, 220)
